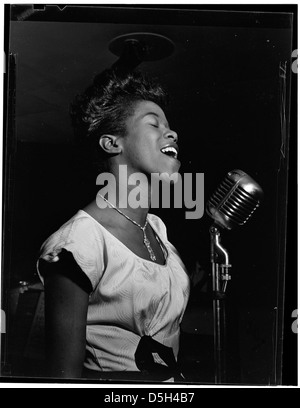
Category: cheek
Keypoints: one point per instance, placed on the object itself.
(143, 146)
(137, 152)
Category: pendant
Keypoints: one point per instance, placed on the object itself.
(150, 250)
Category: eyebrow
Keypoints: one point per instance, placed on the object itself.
(157, 115)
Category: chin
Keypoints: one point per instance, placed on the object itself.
(166, 171)
(167, 176)
(174, 168)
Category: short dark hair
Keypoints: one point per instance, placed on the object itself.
(104, 107)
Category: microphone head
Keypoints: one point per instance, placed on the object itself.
(235, 200)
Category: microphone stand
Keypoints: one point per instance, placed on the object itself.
(220, 276)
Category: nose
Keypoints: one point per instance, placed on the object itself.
(171, 134)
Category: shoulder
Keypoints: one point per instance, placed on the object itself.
(81, 236)
(81, 230)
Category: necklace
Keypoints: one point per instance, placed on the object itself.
(146, 240)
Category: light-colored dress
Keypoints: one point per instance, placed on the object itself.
(131, 296)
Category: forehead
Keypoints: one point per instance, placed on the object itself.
(144, 108)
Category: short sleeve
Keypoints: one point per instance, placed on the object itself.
(84, 239)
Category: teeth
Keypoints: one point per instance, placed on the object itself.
(172, 150)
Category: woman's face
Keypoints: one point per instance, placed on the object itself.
(150, 146)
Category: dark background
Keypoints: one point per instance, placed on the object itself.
(226, 104)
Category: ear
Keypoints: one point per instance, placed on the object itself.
(110, 144)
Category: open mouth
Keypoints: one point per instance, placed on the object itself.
(170, 151)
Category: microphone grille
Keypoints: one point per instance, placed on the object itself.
(235, 200)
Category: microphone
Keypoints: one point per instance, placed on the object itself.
(235, 200)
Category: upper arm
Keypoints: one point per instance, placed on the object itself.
(66, 305)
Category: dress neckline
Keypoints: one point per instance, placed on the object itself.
(166, 252)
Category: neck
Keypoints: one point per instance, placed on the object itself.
(131, 199)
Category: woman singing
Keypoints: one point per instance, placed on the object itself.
(115, 287)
